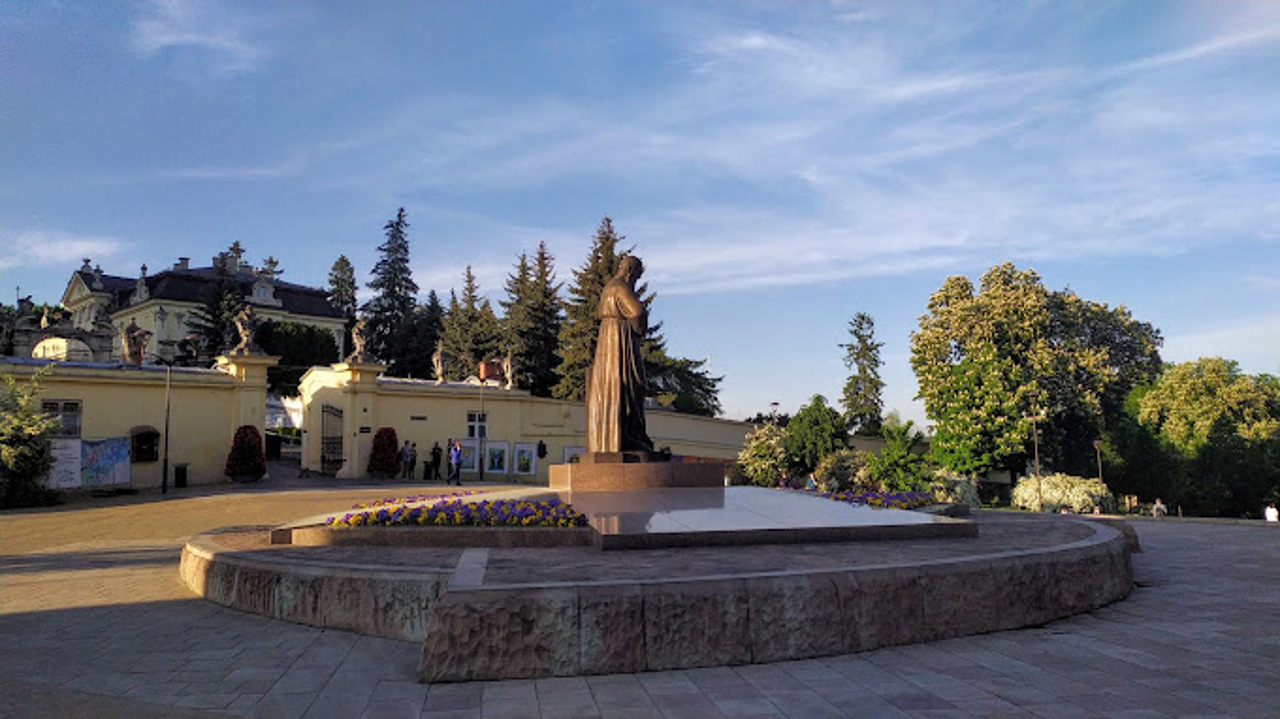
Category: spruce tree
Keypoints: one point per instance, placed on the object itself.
(861, 399)
(423, 333)
(342, 294)
(469, 332)
(531, 321)
(581, 325)
(388, 313)
(214, 320)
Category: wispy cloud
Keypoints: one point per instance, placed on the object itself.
(54, 248)
(204, 25)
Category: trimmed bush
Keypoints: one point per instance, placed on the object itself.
(1077, 494)
(384, 458)
(246, 460)
(947, 487)
(844, 470)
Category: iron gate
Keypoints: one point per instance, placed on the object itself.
(330, 439)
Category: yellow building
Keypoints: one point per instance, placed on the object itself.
(506, 433)
(113, 418)
(162, 303)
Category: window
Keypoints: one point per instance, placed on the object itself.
(67, 412)
(145, 444)
(477, 425)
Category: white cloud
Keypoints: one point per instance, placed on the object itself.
(201, 25)
(53, 248)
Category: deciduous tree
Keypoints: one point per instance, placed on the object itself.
(986, 361)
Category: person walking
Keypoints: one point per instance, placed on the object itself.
(413, 461)
(434, 467)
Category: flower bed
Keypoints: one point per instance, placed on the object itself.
(410, 500)
(882, 500)
(459, 513)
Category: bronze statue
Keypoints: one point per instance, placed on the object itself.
(616, 380)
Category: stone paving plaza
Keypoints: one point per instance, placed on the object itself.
(95, 622)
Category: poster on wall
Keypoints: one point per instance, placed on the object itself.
(66, 465)
(470, 455)
(526, 460)
(571, 454)
(495, 457)
(104, 462)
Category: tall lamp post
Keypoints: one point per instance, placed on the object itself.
(1097, 448)
(1035, 416)
(168, 385)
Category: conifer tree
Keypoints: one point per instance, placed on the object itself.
(861, 399)
(342, 294)
(423, 333)
(469, 333)
(531, 321)
(214, 320)
(388, 313)
(581, 325)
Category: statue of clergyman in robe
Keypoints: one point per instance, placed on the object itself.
(616, 380)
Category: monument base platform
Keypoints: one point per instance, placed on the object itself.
(623, 476)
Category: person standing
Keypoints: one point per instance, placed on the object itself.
(455, 463)
(413, 460)
(404, 460)
(434, 469)
(1272, 514)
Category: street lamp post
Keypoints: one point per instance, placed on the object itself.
(1097, 448)
(1035, 416)
(168, 384)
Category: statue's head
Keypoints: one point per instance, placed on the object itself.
(630, 267)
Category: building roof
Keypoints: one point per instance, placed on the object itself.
(190, 286)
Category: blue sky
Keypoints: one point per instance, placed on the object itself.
(779, 166)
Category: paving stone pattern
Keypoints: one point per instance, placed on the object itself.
(95, 622)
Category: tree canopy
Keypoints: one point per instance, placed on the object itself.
(814, 432)
(986, 361)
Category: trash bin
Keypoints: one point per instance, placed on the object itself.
(273, 445)
(179, 475)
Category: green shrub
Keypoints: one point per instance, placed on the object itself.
(26, 451)
(898, 467)
(844, 470)
(947, 487)
(1062, 490)
(763, 458)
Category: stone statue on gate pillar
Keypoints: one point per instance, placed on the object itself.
(616, 383)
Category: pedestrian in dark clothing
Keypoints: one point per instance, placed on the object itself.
(436, 453)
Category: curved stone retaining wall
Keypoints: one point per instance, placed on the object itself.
(386, 602)
(475, 631)
(504, 632)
